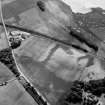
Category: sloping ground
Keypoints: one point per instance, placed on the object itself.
(16, 7)
(32, 17)
(23, 19)
(11, 92)
(14, 94)
(5, 74)
(3, 41)
(53, 76)
(52, 67)
(93, 21)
